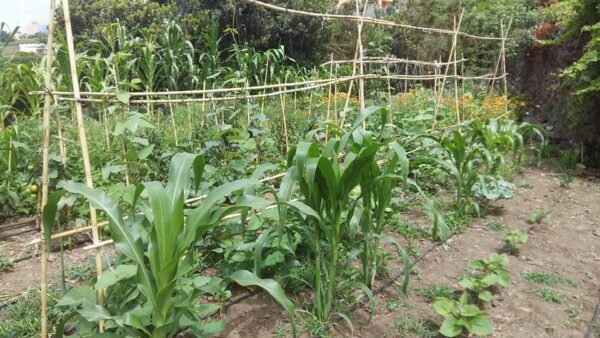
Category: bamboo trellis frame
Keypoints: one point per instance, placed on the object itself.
(241, 93)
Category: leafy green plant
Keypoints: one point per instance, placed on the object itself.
(461, 316)
(153, 287)
(485, 274)
(515, 240)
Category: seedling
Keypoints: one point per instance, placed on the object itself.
(461, 316)
(538, 215)
(394, 305)
(485, 275)
(515, 240)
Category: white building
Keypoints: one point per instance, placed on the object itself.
(38, 48)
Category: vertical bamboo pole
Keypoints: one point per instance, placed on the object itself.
(83, 141)
(441, 91)
(456, 80)
(248, 113)
(262, 104)
(174, 125)
(504, 74)
(361, 81)
(499, 62)
(354, 62)
(312, 92)
(329, 93)
(45, 168)
(283, 117)
(191, 129)
(335, 95)
(389, 85)
(406, 78)
(462, 75)
(203, 106)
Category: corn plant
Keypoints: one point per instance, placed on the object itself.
(328, 179)
(152, 292)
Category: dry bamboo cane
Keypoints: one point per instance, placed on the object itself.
(361, 81)
(83, 140)
(441, 92)
(248, 112)
(335, 98)
(189, 110)
(406, 80)
(366, 20)
(45, 168)
(504, 34)
(262, 104)
(173, 121)
(284, 118)
(462, 75)
(203, 107)
(505, 79)
(387, 71)
(456, 82)
(329, 99)
(310, 96)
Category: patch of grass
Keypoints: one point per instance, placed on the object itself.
(495, 226)
(5, 264)
(549, 295)
(549, 279)
(83, 272)
(408, 326)
(394, 305)
(22, 319)
(435, 291)
(526, 185)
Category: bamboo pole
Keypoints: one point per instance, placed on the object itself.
(456, 81)
(504, 34)
(329, 93)
(203, 103)
(335, 98)
(361, 81)
(406, 79)
(284, 118)
(174, 125)
(248, 104)
(390, 60)
(45, 168)
(389, 85)
(262, 104)
(505, 79)
(83, 141)
(441, 92)
(358, 18)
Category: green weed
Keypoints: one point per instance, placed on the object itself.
(495, 226)
(394, 305)
(5, 264)
(548, 279)
(435, 291)
(550, 295)
(409, 326)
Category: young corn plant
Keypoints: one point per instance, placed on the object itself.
(328, 180)
(153, 289)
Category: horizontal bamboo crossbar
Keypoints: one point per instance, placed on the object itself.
(368, 20)
(390, 60)
(317, 84)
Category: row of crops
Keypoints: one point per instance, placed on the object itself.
(189, 191)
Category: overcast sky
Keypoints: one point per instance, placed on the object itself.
(21, 12)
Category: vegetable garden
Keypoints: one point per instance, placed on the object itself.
(203, 179)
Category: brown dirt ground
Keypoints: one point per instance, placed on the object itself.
(566, 243)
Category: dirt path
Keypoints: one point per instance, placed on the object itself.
(567, 243)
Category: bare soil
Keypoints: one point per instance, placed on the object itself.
(566, 243)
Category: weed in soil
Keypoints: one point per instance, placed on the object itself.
(549, 279)
(549, 295)
(435, 291)
(408, 326)
(495, 226)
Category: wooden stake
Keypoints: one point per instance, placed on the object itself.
(203, 107)
(262, 104)
(283, 117)
(329, 98)
(456, 82)
(174, 125)
(441, 91)
(83, 141)
(45, 168)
